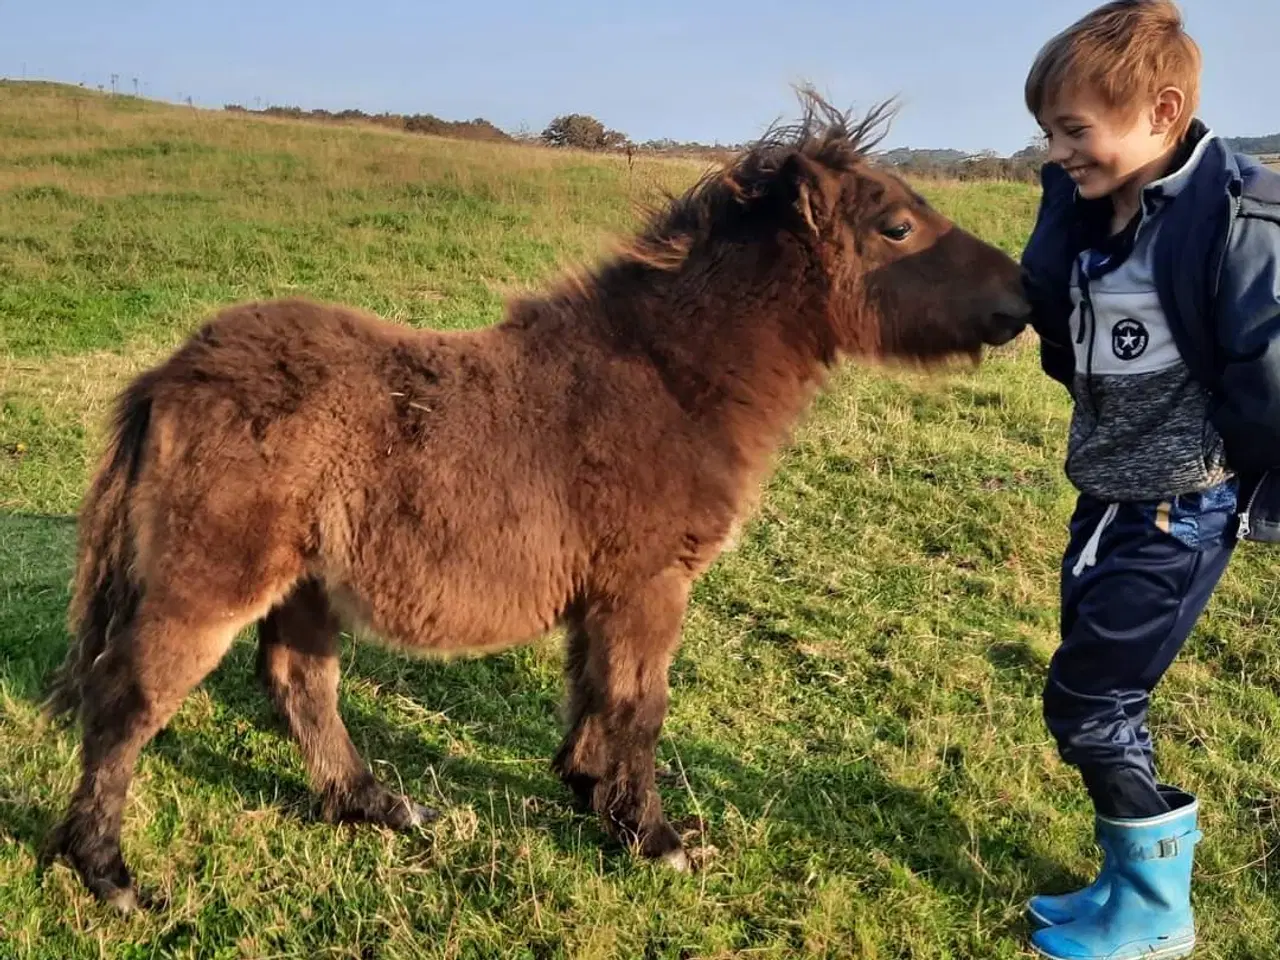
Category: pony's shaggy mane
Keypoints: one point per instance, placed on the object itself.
(823, 134)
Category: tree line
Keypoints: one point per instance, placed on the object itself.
(578, 131)
(581, 131)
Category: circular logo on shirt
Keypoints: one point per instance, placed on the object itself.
(1129, 339)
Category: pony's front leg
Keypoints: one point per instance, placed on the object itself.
(582, 760)
(620, 702)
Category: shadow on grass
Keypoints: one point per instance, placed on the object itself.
(510, 702)
(1020, 666)
(36, 554)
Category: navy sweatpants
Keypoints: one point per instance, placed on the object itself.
(1135, 578)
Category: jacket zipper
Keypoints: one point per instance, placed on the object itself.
(1088, 325)
(1237, 204)
(1085, 303)
(1086, 307)
(1246, 523)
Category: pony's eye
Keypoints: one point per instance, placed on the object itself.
(898, 232)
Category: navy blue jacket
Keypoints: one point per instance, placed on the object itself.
(1218, 279)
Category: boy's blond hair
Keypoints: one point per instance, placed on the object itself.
(1124, 52)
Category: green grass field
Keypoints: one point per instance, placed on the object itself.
(855, 709)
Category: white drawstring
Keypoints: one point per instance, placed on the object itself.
(1089, 555)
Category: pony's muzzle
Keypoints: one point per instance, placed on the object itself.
(1004, 329)
(1009, 318)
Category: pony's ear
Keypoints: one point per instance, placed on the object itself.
(806, 188)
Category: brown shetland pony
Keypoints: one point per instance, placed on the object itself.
(303, 466)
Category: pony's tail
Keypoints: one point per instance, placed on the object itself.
(105, 594)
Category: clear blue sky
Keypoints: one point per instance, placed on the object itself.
(707, 71)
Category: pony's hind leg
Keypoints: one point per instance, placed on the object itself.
(298, 663)
(131, 691)
(618, 664)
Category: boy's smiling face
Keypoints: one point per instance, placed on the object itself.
(1108, 151)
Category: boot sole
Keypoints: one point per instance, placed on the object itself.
(1036, 919)
(1183, 948)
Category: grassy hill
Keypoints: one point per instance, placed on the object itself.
(855, 710)
(1259, 146)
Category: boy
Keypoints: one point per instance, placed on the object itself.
(1154, 268)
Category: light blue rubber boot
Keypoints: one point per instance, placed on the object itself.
(1050, 910)
(1147, 915)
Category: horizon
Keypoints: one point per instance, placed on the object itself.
(392, 57)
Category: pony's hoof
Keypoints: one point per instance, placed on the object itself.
(370, 802)
(126, 900)
(129, 900)
(408, 814)
(663, 845)
(122, 894)
(103, 874)
(678, 861)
